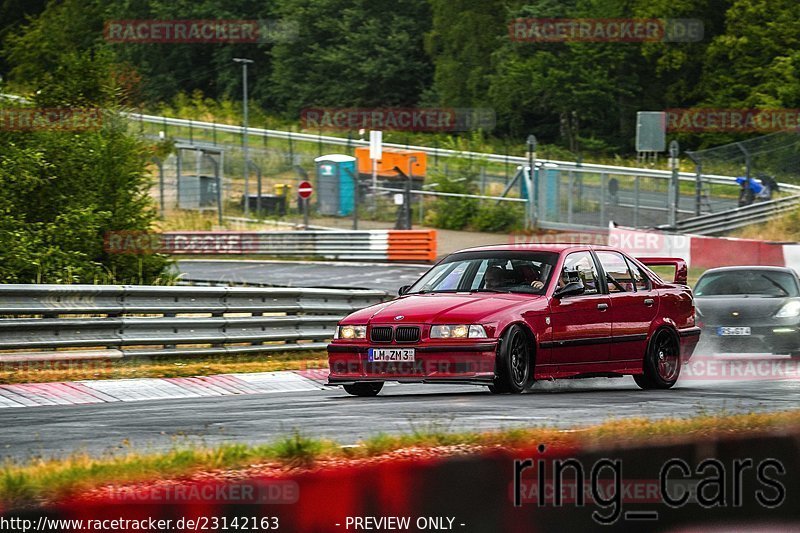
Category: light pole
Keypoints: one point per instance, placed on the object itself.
(245, 143)
(533, 195)
(411, 161)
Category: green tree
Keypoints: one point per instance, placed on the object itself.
(62, 190)
(365, 53)
(755, 63)
(463, 36)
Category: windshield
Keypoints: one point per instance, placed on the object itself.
(524, 272)
(767, 283)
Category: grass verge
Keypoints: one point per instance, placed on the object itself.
(784, 228)
(161, 367)
(44, 480)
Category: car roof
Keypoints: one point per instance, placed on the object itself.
(750, 269)
(556, 247)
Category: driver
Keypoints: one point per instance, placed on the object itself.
(494, 277)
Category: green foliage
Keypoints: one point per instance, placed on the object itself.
(452, 212)
(365, 53)
(298, 449)
(463, 36)
(498, 217)
(457, 213)
(60, 193)
(402, 53)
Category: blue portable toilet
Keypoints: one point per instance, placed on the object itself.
(336, 176)
(549, 177)
(551, 191)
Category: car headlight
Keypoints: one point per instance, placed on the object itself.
(459, 331)
(790, 310)
(351, 332)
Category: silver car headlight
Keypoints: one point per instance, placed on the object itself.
(790, 310)
(351, 332)
(459, 331)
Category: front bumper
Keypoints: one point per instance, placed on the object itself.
(472, 362)
(776, 338)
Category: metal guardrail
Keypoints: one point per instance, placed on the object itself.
(152, 321)
(725, 221)
(374, 245)
(440, 152)
(443, 152)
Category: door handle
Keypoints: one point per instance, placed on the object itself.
(649, 302)
(602, 307)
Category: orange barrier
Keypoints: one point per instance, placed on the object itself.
(364, 245)
(392, 157)
(412, 245)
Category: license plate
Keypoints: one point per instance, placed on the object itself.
(391, 354)
(733, 331)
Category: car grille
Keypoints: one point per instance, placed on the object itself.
(406, 334)
(400, 334)
(381, 334)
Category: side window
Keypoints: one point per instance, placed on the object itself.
(618, 277)
(640, 280)
(582, 265)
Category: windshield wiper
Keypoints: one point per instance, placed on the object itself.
(784, 291)
(431, 291)
(487, 290)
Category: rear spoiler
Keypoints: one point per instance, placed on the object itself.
(681, 270)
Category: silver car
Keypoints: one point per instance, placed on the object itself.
(747, 309)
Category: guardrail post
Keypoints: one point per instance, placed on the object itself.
(570, 186)
(603, 189)
(698, 189)
(675, 186)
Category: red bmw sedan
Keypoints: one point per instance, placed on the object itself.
(504, 316)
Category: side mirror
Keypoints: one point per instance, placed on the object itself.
(403, 290)
(574, 288)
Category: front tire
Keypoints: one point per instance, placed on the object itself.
(662, 361)
(364, 389)
(513, 367)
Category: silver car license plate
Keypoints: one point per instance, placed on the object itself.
(725, 331)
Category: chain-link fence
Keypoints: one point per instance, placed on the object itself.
(457, 191)
(765, 160)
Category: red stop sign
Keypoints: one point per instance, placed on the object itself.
(305, 189)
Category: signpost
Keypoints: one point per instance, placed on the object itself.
(304, 191)
(375, 153)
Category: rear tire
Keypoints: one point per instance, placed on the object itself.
(662, 361)
(364, 389)
(513, 367)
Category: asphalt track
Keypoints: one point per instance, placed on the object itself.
(319, 274)
(163, 424)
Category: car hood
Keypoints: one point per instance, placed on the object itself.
(440, 308)
(714, 309)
